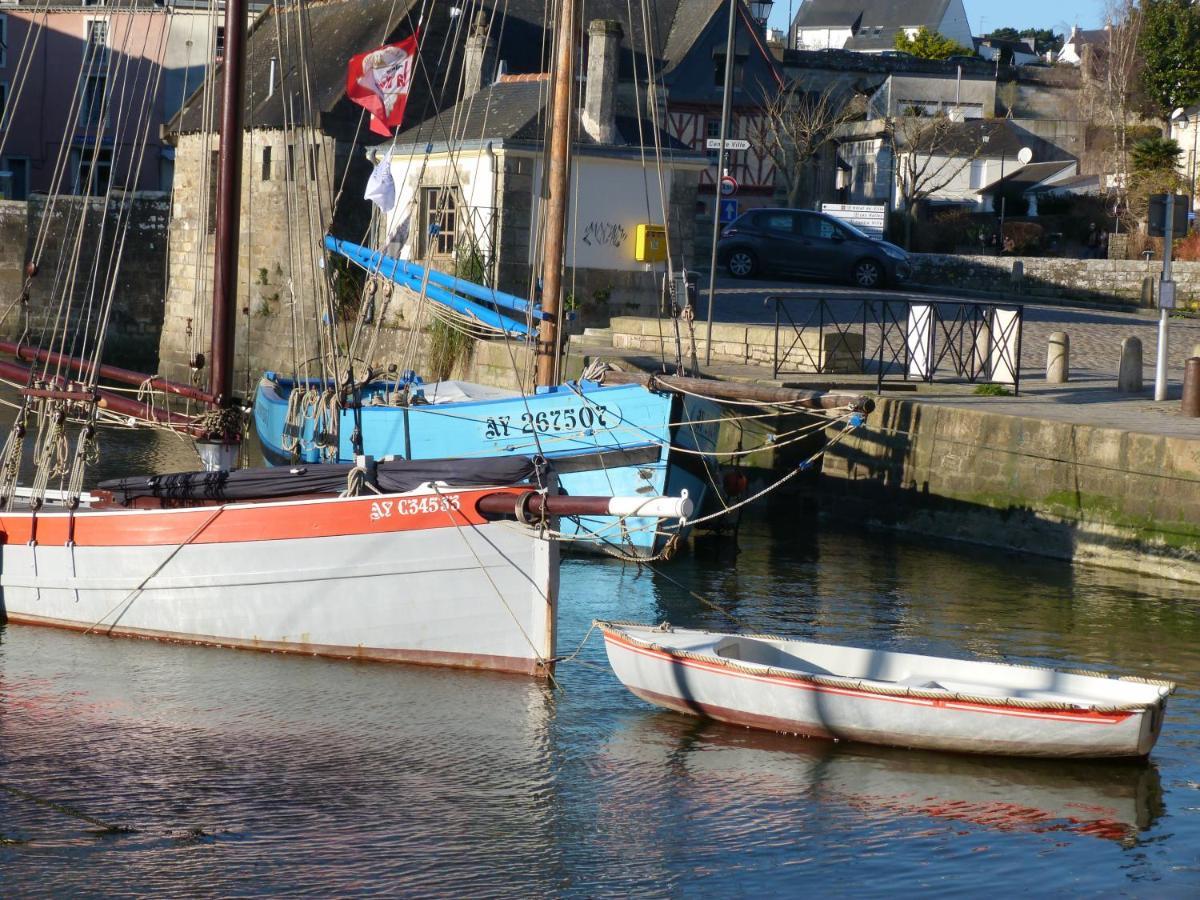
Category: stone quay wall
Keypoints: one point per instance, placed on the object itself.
(808, 352)
(1116, 281)
(127, 238)
(1097, 495)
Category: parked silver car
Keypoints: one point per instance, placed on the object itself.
(813, 244)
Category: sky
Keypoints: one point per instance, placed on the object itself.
(986, 15)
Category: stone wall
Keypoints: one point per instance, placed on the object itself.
(1096, 495)
(284, 215)
(799, 353)
(126, 239)
(1115, 281)
(14, 228)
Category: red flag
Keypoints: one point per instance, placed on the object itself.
(379, 80)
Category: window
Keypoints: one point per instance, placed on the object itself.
(719, 68)
(93, 170)
(266, 163)
(291, 162)
(92, 112)
(93, 2)
(3, 104)
(3, 40)
(781, 223)
(978, 171)
(14, 181)
(219, 43)
(439, 219)
(95, 51)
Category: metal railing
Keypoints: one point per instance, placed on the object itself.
(923, 340)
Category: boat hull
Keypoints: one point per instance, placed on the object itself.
(757, 699)
(342, 577)
(606, 441)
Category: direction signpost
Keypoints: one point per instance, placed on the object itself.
(730, 144)
(871, 218)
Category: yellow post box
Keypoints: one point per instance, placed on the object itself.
(650, 243)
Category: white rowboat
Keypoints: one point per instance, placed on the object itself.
(880, 697)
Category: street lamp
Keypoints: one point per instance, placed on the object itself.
(1184, 120)
(761, 10)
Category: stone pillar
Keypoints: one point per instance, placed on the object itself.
(476, 56)
(1058, 358)
(1129, 378)
(600, 97)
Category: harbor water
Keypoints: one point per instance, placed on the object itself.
(135, 767)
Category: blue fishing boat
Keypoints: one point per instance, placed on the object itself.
(614, 440)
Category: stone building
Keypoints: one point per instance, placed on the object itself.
(303, 172)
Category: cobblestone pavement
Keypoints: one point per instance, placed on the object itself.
(1095, 335)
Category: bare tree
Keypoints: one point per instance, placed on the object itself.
(929, 153)
(1111, 73)
(794, 127)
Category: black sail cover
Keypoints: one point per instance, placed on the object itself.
(319, 478)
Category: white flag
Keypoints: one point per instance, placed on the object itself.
(381, 187)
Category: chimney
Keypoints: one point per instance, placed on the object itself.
(476, 55)
(600, 98)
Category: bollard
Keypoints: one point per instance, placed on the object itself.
(1018, 276)
(1191, 388)
(1148, 292)
(1129, 378)
(1195, 350)
(1058, 358)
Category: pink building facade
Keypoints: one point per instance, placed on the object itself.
(86, 89)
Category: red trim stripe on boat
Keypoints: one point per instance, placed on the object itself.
(1082, 716)
(236, 522)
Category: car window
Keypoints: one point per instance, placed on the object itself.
(811, 226)
(780, 222)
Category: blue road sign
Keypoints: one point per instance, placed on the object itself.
(728, 211)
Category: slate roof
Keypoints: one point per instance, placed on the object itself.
(1028, 176)
(513, 110)
(344, 27)
(888, 14)
(339, 29)
(1004, 140)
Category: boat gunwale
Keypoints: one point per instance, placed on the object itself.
(279, 382)
(617, 631)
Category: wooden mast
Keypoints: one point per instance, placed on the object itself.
(229, 201)
(558, 184)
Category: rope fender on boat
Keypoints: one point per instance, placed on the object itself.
(876, 687)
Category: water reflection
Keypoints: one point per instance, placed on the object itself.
(887, 787)
(248, 773)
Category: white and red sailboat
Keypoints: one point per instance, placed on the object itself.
(448, 562)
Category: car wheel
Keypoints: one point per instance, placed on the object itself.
(867, 274)
(741, 263)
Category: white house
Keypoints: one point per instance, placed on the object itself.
(473, 205)
(1185, 129)
(967, 161)
(870, 26)
(1073, 47)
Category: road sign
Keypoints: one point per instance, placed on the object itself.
(730, 144)
(871, 218)
(729, 186)
(727, 211)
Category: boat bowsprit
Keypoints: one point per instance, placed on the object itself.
(881, 697)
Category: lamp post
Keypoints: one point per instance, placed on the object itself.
(760, 10)
(1193, 122)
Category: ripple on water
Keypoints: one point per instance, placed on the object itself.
(247, 773)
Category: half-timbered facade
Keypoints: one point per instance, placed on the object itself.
(695, 90)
